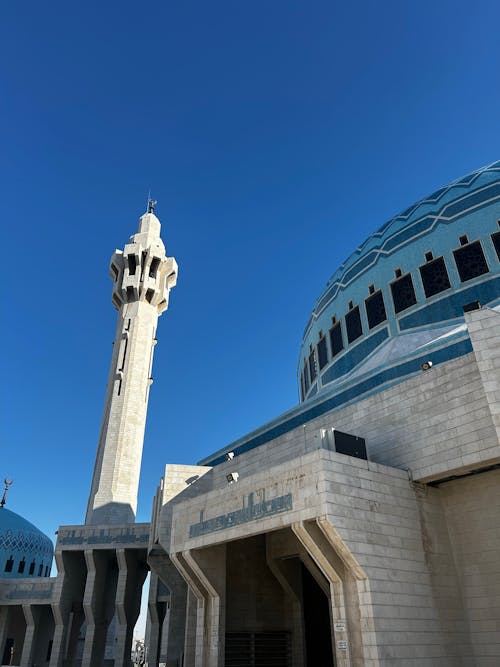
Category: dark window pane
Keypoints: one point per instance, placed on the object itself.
(353, 324)
(322, 353)
(312, 367)
(9, 564)
(336, 342)
(470, 261)
(496, 242)
(22, 565)
(375, 309)
(302, 392)
(403, 294)
(434, 277)
(306, 378)
(32, 567)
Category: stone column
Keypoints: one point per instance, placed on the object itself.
(174, 623)
(98, 604)
(209, 566)
(32, 616)
(131, 575)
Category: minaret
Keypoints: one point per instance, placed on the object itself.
(143, 276)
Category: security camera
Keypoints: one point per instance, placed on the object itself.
(232, 477)
(230, 456)
(427, 365)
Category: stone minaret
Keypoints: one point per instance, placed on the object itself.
(143, 276)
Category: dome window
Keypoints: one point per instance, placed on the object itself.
(403, 293)
(496, 243)
(470, 261)
(375, 309)
(302, 390)
(32, 567)
(40, 569)
(22, 565)
(336, 342)
(322, 352)
(9, 564)
(306, 378)
(312, 366)
(434, 277)
(353, 325)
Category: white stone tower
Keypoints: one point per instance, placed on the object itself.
(143, 276)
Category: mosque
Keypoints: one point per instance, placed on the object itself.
(359, 529)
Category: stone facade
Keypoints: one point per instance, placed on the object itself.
(402, 546)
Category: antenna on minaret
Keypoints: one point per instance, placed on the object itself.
(8, 483)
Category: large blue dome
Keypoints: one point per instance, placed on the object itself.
(24, 550)
(399, 299)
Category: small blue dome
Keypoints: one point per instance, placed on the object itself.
(24, 550)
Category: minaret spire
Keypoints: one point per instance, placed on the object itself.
(143, 276)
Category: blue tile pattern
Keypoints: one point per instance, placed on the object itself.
(470, 206)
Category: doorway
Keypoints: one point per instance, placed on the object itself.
(317, 626)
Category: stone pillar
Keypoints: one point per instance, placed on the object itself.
(174, 623)
(67, 607)
(155, 619)
(131, 575)
(32, 616)
(143, 276)
(98, 604)
(195, 648)
(209, 566)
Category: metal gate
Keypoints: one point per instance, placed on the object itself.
(258, 649)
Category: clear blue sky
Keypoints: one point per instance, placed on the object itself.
(276, 136)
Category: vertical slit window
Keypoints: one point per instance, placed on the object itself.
(149, 295)
(124, 353)
(130, 294)
(312, 366)
(353, 324)
(336, 342)
(40, 569)
(470, 261)
(434, 277)
(496, 243)
(22, 565)
(403, 293)
(375, 309)
(119, 390)
(32, 567)
(9, 564)
(322, 353)
(132, 264)
(153, 269)
(143, 264)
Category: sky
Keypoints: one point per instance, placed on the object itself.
(276, 136)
